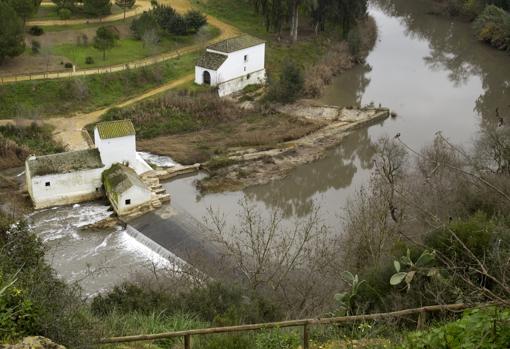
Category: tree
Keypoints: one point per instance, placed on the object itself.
(104, 40)
(125, 4)
(25, 8)
(169, 20)
(143, 24)
(12, 41)
(195, 20)
(97, 8)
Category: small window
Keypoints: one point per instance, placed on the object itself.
(97, 189)
(244, 68)
(246, 58)
(47, 184)
(128, 201)
(248, 76)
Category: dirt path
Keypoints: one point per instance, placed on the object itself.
(69, 131)
(226, 31)
(141, 6)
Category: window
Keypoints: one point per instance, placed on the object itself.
(47, 184)
(248, 76)
(246, 58)
(128, 201)
(244, 68)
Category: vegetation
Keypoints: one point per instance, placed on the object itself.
(12, 42)
(289, 85)
(37, 98)
(17, 142)
(105, 40)
(491, 19)
(97, 8)
(125, 5)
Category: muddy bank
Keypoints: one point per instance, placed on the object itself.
(244, 167)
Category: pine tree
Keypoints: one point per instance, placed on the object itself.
(97, 8)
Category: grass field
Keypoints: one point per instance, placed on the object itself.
(128, 50)
(51, 12)
(34, 99)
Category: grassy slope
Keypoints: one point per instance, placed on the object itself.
(127, 50)
(53, 97)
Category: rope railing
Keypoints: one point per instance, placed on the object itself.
(304, 323)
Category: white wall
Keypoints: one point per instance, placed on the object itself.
(116, 150)
(199, 76)
(138, 196)
(66, 188)
(234, 66)
(238, 84)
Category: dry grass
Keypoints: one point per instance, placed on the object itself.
(337, 60)
(12, 154)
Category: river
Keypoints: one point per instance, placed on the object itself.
(431, 71)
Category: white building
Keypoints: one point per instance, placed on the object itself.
(72, 177)
(125, 190)
(232, 64)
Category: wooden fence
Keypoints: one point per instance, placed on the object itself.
(304, 323)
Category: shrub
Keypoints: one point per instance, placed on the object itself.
(89, 60)
(36, 46)
(478, 328)
(68, 65)
(194, 20)
(493, 27)
(145, 23)
(36, 30)
(64, 13)
(289, 85)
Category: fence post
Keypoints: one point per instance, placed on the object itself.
(305, 337)
(187, 341)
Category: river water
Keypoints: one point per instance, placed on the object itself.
(431, 71)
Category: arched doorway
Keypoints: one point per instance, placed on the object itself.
(207, 78)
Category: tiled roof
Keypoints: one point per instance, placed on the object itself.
(114, 129)
(120, 178)
(211, 60)
(64, 162)
(235, 44)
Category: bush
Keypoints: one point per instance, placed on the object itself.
(478, 328)
(89, 60)
(194, 20)
(64, 13)
(145, 23)
(36, 46)
(289, 85)
(36, 30)
(68, 65)
(493, 27)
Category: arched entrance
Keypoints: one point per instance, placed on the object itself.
(207, 78)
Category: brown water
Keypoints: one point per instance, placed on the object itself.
(430, 70)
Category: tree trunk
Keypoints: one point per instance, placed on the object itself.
(294, 21)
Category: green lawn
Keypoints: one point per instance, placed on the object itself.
(66, 96)
(128, 50)
(241, 15)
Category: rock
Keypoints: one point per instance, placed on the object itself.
(36, 342)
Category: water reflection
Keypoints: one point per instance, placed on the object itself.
(295, 195)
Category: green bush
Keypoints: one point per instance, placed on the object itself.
(478, 328)
(278, 339)
(36, 30)
(289, 85)
(64, 13)
(89, 60)
(493, 27)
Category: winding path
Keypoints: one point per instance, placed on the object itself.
(226, 31)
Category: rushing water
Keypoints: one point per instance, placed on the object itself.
(429, 70)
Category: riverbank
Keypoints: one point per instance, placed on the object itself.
(245, 167)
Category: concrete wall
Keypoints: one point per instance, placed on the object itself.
(116, 150)
(235, 65)
(199, 76)
(238, 84)
(138, 196)
(64, 189)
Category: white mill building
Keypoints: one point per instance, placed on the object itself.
(77, 176)
(232, 64)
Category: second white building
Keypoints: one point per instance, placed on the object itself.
(232, 64)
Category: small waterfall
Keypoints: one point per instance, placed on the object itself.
(154, 246)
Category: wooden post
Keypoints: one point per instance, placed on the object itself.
(422, 318)
(187, 341)
(305, 337)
